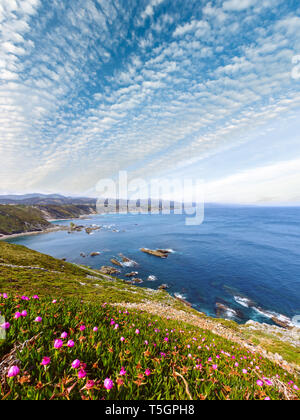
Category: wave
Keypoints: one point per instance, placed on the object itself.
(243, 301)
(273, 315)
(152, 278)
(180, 296)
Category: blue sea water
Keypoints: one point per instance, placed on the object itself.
(238, 255)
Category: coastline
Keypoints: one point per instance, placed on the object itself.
(17, 235)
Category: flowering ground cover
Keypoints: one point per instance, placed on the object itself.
(69, 349)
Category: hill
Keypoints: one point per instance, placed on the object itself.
(45, 199)
(17, 219)
(148, 344)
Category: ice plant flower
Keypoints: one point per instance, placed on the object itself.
(137, 331)
(17, 315)
(81, 374)
(46, 361)
(58, 344)
(108, 384)
(5, 326)
(54, 301)
(123, 372)
(64, 335)
(122, 339)
(82, 328)
(76, 364)
(13, 371)
(24, 314)
(260, 383)
(38, 319)
(147, 372)
(95, 329)
(90, 384)
(70, 344)
(215, 367)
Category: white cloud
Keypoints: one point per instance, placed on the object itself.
(238, 5)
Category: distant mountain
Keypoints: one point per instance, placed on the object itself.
(45, 199)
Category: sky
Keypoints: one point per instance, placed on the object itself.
(159, 88)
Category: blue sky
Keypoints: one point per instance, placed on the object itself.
(176, 88)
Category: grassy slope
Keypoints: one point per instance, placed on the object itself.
(66, 211)
(19, 219)
(62, 279)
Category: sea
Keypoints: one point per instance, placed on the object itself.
(241, 263)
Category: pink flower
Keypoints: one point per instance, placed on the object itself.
(267, 399)
(215, 367)
(35, 297)
(296, 388)
(76, 364)
(82, 328)
(90, 384)
(260, 383)
(13, 371)
(116, 326)
(46, 361)
(166, 339)
(236, 364)
(122, 339)
(123, 372)
(147, 372)
(5, 326)
(245, 371)
(70, 344)
(95, 329)
(18, 315)
(54, 301)
(137, 331)
(4, 296)
(108, 384)
(269, 383)
(58, 344)
(24, 314)
(81, 374)
(64, 335)
(38, 319)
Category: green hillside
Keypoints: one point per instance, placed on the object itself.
(19, 219)
(147, 343)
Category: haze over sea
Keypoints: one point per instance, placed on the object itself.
(246, 258)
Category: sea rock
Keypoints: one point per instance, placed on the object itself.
(109, 270)
(116, 262)
(281, 323)
(138, 281)
(163, 287)
(94, 254)
(160, 253)
(133, 274)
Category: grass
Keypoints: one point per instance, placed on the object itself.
(158, 358)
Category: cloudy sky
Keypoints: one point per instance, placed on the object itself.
(160, 88)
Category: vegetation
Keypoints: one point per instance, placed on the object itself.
(120, 352)
(87, 351)
(19, 219)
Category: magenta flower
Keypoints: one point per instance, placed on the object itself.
(54, 301)
(38, 319)
(269, 383)
(122, 339)
(70, 344)
(267, 399)
(5, 326)
(46, 361)
(17, 315)
(245, 371)
(90, 384)
(4, 296)
(95, 329)
(123, 372)
(35, 297)
(24, 314)
(82, 374)
(82, 328)
(137, 331)
(58, 344)
(64, 335)
(215, 367)
(260, 383)
(76, 364)
(108, 384)
(13, 371)
(166, 339)
(147, 372)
